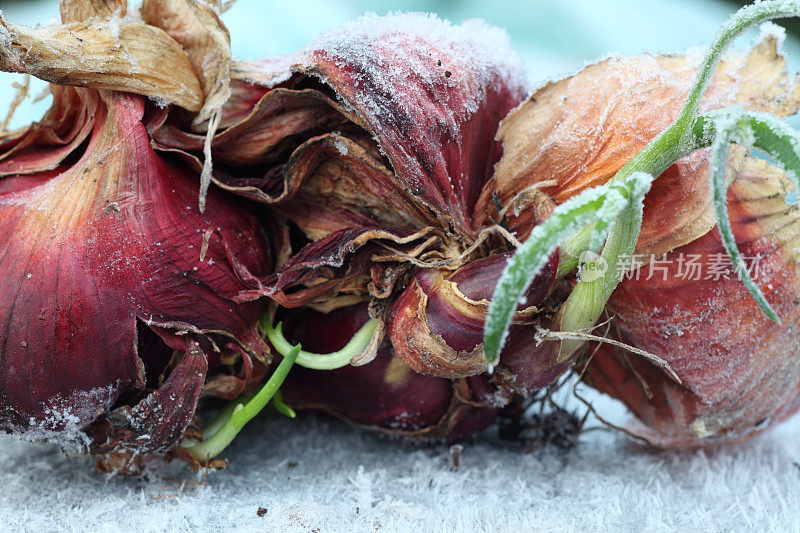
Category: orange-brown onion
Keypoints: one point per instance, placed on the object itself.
(740, 372)
(576, 133)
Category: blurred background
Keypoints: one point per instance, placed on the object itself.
(552, 38)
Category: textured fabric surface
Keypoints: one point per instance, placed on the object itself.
(313, 474)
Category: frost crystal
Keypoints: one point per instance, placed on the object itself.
(770, 29)
(433, 55)
(62, 422)
(474, 52)
(159, 102)
(340, 146)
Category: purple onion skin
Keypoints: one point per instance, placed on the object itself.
(384, 394)
(103, 278)
(436, 326)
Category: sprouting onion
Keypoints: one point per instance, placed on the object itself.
(614, 211)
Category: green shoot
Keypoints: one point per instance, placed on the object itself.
(281, 407)
(221, 432)
(597, 205)
(329, 361)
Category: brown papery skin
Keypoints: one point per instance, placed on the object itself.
(579, 131)
(740, 372)
(385, 394)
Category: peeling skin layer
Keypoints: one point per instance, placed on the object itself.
(740, 371)
(384, 125)
(436, 325)
(174, 51)
(376, 142)
(129, 57)
(581, 130)
(385, 394)
(96, 241)
(79, 10)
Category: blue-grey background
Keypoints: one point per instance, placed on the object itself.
(551, 37)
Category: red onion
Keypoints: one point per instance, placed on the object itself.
(737, 369)
(377, 141)
(120, 299)
(384, 394)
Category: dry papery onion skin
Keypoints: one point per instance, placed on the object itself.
(359, 155)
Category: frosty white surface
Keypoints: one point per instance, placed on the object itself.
(310, 473)
(476, 52)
